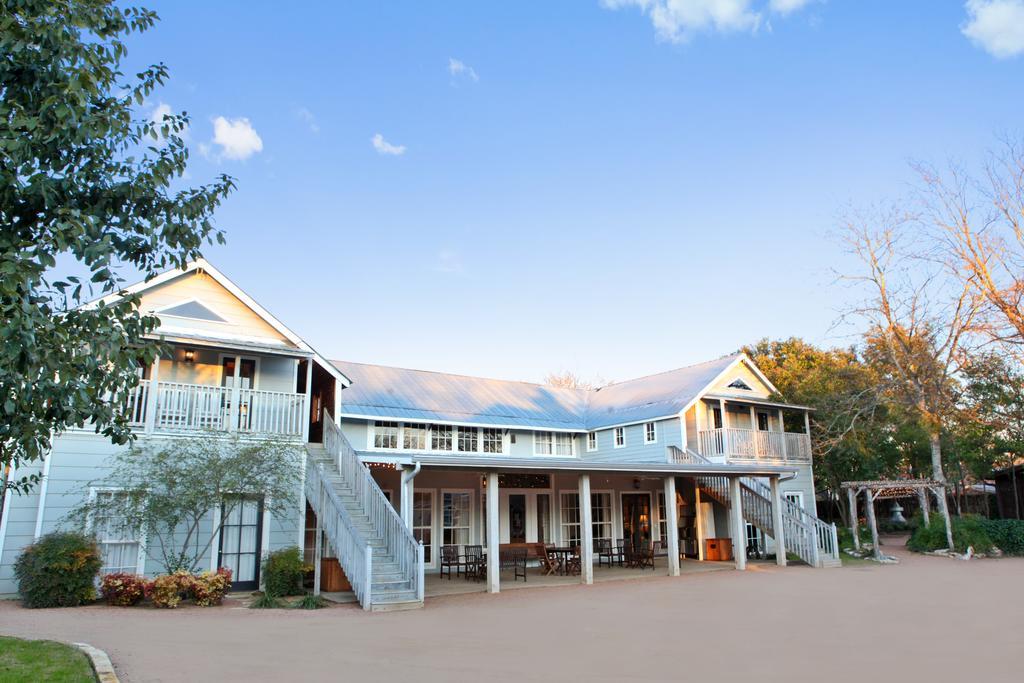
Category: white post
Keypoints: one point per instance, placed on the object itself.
(152, 399)
(851, 499)
(318, 544)
(493, 560)
(586, 532)
(236, 396)
(739, 537)
(782, 431)
(306, 399)
(682, 428)
(725, 427)
(672, 525)
(870, 510)
(700, 520)
(405, 496)
(777, 525)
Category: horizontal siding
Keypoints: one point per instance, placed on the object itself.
(668, 434)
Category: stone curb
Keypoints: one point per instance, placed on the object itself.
(100, 663)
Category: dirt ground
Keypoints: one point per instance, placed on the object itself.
(927, 618)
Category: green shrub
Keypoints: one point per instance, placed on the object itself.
(1006, 534)
(283, 571)
(58, 570)
(310, 602)
(968, 530)
(266, 601)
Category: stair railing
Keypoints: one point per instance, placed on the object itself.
(399, 541)
(354, 553)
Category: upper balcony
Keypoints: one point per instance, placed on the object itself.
(754, 444)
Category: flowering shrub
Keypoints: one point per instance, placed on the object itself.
(167, 590)
(123, 590)
(209, 588)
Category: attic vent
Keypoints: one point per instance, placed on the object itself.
(740, 384)
(195, 310)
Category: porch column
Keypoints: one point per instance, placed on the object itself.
(851, 500)
(780, 534)
(782, 430)
(725, 427)
(153, 398)
(236, 397)
(739, 537)
(672, 526)
(493, 559)
(586, 532)
(700, 521)
(306, 400)
(405, 496)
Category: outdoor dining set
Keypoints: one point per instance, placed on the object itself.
(470, 561)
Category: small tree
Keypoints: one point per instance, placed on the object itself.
(87, 178)
(169, 490)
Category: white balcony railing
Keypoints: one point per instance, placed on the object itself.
(180, 407)
(754, 444)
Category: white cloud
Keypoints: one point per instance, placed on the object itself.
(996, 26)
(461, 71)
(384, 147)
(448, 261)
(236, 138)
(679, 20)
(306, 116)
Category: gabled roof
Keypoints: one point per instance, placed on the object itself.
(383, 392)
(202, 265)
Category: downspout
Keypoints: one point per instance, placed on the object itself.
(406, 502)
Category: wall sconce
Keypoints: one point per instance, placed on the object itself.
(190, 356)
(636, 483)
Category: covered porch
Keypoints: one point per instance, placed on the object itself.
(462, 508)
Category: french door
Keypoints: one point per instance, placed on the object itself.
(241, 538)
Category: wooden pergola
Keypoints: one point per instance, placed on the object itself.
(887, 489)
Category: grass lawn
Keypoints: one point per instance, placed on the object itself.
(42, 660)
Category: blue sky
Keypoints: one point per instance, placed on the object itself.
(615, 188)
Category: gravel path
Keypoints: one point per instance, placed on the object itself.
(770, 624)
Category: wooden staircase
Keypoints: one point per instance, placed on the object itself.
(381, 559)
(812, 540)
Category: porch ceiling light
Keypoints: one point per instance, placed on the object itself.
(190, 356)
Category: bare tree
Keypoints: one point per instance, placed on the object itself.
(571, 380)
(919, 322)
(979, 223)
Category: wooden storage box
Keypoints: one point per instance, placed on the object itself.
(332, 577)
(718, 549)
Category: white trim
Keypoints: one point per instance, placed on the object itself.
(616, 432)
(492, 425)
(434, 523)
(596, 446)
(554, 447)
(654, 428)
(5, 510)
(472, 514)
(652, 504)
(215, 544)
(799, 495)
(238, 367)
(41, 506)
(142, 539)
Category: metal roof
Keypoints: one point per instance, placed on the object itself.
(396, 393)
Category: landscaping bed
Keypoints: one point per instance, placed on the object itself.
(42, 660)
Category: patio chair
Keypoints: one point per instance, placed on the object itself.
(628, 556)
(473, 562)
(514, 559)
(450, 558)
(548, 564)
(574, 563)
(645, 556)
(603, 548)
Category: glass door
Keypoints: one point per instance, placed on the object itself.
(423, 522)
(636, 518)
(517, 518)
(240, 541)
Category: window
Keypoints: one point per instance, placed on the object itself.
(414, 436)
(620, 437)
(423, 520)
(570, 517)
(662, 518)
(552, 443)
(457, 518)
(467, 439)
(120, 546)
(762, 422)
(601, 515)
(716, 415)
(544, 518)
(592, 441)
(440, 438)
(241, 540)
(795, 497)
(740, 384)
(385, 434)
(493, 441)
(650, 432)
